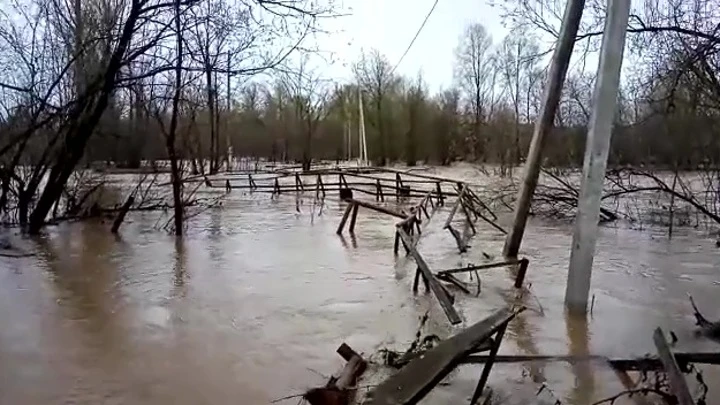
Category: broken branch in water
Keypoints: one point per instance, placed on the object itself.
(707, 328)
(669, 399)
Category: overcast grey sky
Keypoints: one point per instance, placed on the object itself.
(389, 26)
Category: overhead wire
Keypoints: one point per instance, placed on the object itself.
(415, 37)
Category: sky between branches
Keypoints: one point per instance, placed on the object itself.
(389, 26)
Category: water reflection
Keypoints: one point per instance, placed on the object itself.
(84, 275)
(179, 269)
(583, 390)
(522, 332)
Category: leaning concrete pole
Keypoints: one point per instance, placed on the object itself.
(551, 99)
(596, 154)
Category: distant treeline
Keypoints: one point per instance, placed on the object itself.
(487, 116)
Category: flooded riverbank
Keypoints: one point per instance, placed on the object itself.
(252, 303)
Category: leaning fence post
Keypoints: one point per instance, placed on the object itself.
(417, 281)
(522, 270)
(344, 219)
(488, 364)
(353, 218)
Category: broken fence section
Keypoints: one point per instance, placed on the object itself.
(416, 379)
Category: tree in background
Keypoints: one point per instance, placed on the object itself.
(375, 77)
(476, 78)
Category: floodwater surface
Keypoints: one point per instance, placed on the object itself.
(251, 304)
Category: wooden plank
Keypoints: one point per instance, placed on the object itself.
(480, 267)
(453, 280)
(421, 375)
(378, 208)
(678, 385)
(435, 286)
(637, 364)
(428, 176)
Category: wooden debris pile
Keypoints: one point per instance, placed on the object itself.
(341, 386)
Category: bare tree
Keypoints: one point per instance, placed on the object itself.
(517, 58)
(308, 94)
(375, 76)
(447, 124)
(474, 74)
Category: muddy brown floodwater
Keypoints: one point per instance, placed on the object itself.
(252, 303)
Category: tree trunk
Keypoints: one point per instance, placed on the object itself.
(172, 133)
(211, 117)
(84, 118)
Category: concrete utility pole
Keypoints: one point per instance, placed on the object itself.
(362, 145)
(551, 99)
(596, 154)
(346, 127)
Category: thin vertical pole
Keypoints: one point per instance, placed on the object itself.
(596, 153)
(551, 99)
(360, 124)
(227, 118)
(362, 146)
(348, 135)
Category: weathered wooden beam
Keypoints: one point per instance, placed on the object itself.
(458, 239)
(411, 384)
(435, 286)
(340, 387)
(453, 280)
(425, 176)
(467, 215)
(480, 267)
(353, 218)
(637, 364)
(474, 197)
(408, 221)
(468, 205)
(377, 208)
(449, 219)
(344, 218)
(678, 385)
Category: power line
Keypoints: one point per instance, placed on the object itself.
(415, 37)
